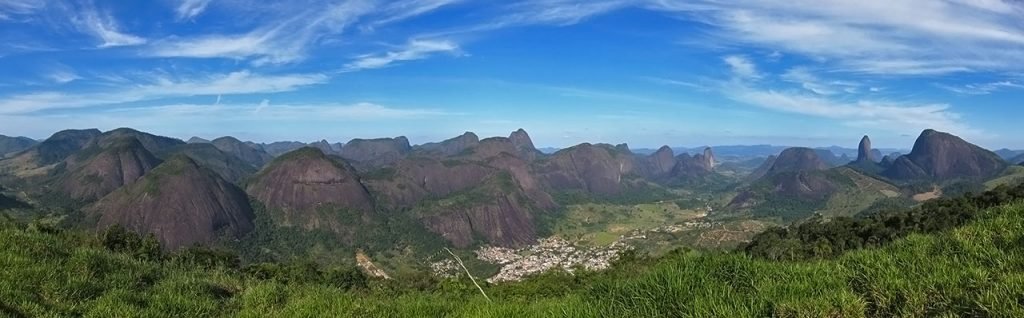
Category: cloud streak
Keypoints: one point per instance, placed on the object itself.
(159, 87)
(415, 49)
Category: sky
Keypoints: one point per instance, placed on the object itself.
(642, 72)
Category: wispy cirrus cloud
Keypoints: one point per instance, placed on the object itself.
(413, 50)
(839, 101)
(872, 36)
(104, 27)
(189, 9)
(282, 41)
(159, 87)
(981, 88)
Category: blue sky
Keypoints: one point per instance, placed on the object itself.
(645, 72)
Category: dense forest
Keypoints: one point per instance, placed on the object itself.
(950, 257)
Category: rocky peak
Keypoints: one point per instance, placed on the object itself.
(296, 184)
(942, 156)
(523, 144)
(180, 203)
(197, 140)
(93, 174)
(864, 151)
(797, 159)
(708, 159)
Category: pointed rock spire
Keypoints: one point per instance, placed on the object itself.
(864, 153)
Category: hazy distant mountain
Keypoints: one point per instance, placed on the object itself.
(451, 146)
(942, 156)
(197, 140)
(226, 165)
(10, 145)
(1008, 154)
(179, 202)
(254, 155)
(281, 147)
(376, 152)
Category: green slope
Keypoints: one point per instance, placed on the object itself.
(973, 270)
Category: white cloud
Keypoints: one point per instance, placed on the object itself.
(283, 41)
(263, 111)
(62, 76)
(909, 37)
(882, 115)
(103, 26)
(158, 87)
(405, 9)
(981, 88)
(413, 50)
(811, 82)
(741, 67)
(558, 12)
(189, 9)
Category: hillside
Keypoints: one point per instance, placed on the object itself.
(959, 269)
(180, 203)
(941, 156)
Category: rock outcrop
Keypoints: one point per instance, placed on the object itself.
(524, 145)
(658, 165)
(591, 168)
(105, 167)
(797, 159)
(305, 188)
(180, 203)
(864, 151)
(941, 156)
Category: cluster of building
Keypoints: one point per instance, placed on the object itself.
(547, 254)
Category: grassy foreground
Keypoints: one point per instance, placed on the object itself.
(972, 271)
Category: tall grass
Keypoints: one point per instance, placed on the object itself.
(972, 271)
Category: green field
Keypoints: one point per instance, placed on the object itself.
(597, 224)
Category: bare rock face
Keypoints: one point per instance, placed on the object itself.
(592, 168)
(485, 194)
(503, 221)
(942, 156)
(248, 153)
(797, 159)
(657, 165)
(864, 151)
(523, 144)
(451, 147)
(706, 160)
(300, 183)
(180, 203)
(376, 152)
(96, 172)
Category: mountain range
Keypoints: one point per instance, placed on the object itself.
(464, 190)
